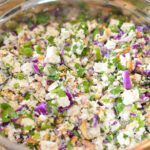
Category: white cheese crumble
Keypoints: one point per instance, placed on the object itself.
(126, 26)
(27, 122)
(48, 145)
(27, 68)
(103, 67)
(110, 45)
(130, 96)
(52, 55)
(63, 101)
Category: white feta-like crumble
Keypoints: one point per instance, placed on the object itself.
(52, 55)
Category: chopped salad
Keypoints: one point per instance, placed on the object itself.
(74, 82)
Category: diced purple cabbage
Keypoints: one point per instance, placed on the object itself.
(147, 53)
(136, 46)
(62, 109)
(69, 94)
(133, 114)
(62, 148)
(114, 123)
(146, 72)
(41, 109)
(95, 120)
(35, 60)
(49, 82)
(126, 80)
(69, 133)
(145, 97)
(140, 28)
(3, 125)
(20, 108)
(36, 68)
(147, 39)
(119, 35)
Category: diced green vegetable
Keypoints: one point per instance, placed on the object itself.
(27, 96)
(116, 90)
(98, 54)
(80, 70)
(51, 40)
(53, 73)
(7, 112)
(19, 76)
(39, 49)
(117, 63)
(69, 146)
(86, 86)
(106, 100)
(60, 92)
(119, 105)
(26, 51)
(16, 85)
(114, 28)
(96, 31)
(42, 18)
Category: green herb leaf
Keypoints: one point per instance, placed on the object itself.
(86, 86)
(96, 31)
(119, 105)
(117, 63)
(53, 73)
(98, 54)
(39, 49)
(60, 92)
(19, 76)
(116, 90)
(26, 51)
(27, 96)
(106, 100)
(7, 112)
(80, 70)
(69, 146)
(42, 18)
(51, 40)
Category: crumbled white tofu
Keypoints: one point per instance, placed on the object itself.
(126, 26)
(81, 34)
(94, 132)
(123, 60)
(114, 22)
(73, 111)
(103, 67)
(77, 47)
(65, 34)
(27, 68)
(52, 55)
(51, 31)
(9, 59)
(122, 140)
(110, 45)
(48, 145)
(16, 67)
(27, 122)
(52, 86)
(130, 96)
(63, 101)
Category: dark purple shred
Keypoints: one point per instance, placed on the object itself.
(147, 53)
(95, 120)
(69, 133)
(147, 72)
(133, 114)
(140, 28)
(136, 46)
(41, 109)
